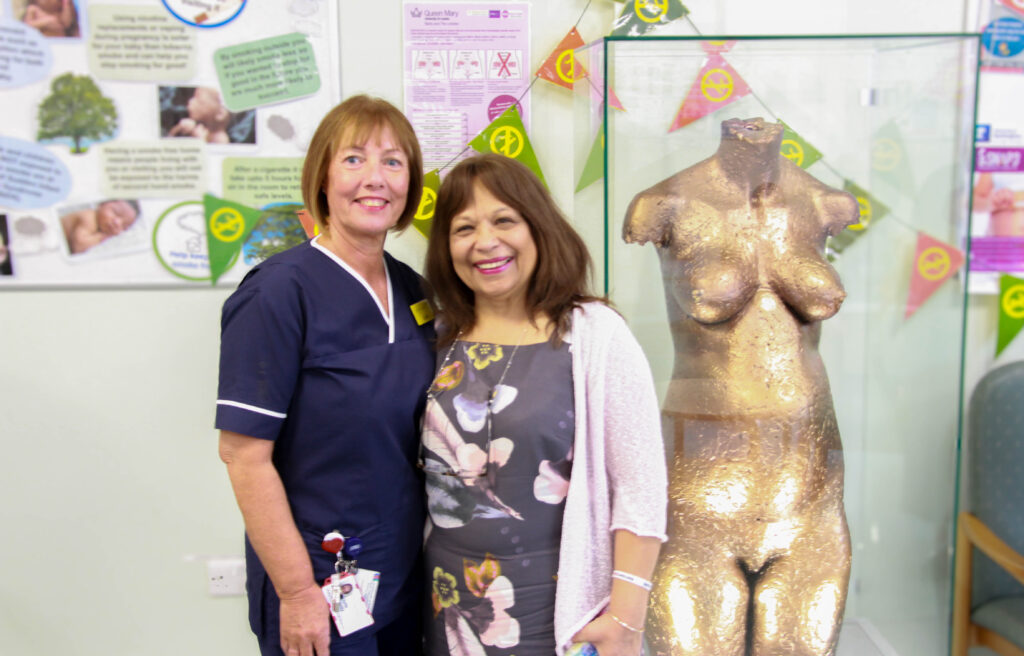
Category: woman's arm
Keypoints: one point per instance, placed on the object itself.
(619, 631)
(637, 476)
(305, 620)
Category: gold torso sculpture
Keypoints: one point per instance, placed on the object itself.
(758, 556)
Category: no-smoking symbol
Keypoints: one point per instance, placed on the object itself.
(227, 224)
(1013, 302)
(716, 85)
(864, 207)
(507, 141)
(661, 6)
(569, 75)
(886, 154)
(792, 151)
(933, 263)
(427, 204)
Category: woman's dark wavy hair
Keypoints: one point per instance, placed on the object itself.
(560, 281)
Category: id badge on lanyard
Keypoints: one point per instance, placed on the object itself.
(351, 591)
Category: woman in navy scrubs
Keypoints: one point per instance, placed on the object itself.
(326, 353)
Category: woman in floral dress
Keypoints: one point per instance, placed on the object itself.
(541, 438)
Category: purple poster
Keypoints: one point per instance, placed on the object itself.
(465, 63)
(997, 219)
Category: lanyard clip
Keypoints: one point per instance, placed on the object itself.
(346, 551)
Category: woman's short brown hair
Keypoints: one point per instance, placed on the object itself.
(355, 121)
(560, 280)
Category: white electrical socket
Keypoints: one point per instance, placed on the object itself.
(225, 576)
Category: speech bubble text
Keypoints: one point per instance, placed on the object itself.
(24, 54)
(30, 175)
(154, 169)
(260, 181)
(139, 43)
(266, 71)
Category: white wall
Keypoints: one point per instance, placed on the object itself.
(112, 491)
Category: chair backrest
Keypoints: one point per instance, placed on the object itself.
(996, 471)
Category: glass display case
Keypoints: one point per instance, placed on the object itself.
(888, 119)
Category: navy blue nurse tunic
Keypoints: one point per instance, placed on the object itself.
(309, 360)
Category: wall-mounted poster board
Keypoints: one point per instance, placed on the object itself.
(997, 221)
(464, 65)
(120, 117)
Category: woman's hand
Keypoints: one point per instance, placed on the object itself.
(610, 638)
(305, 623)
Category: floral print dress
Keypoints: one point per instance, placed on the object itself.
(496, 498)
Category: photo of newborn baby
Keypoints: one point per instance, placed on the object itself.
(51, 17)
(199, 112)
(88, 227)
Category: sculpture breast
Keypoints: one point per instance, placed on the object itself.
(758, 556)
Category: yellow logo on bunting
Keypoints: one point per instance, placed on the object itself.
(660, 5)
(864, 205)
(428, 202)
(570, 77)
(716, 85)
(886, 154)
(1013, 302)
(933, 263)
(793, 151)
(227, 224)
(507, 140)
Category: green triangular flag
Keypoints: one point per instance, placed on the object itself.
(797, 149)
(639, 17)
(889, 160)
(871, 211)
(227, 226)
(593, 168)
(506, 136)
(424, 216)
(1011, 310)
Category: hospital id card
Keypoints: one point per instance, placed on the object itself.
(348, 607)
(368, 581)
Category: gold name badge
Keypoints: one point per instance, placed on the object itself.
(422, 312)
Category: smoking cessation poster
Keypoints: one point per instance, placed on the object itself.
(121, 117)
(465, 64)
(997, 221)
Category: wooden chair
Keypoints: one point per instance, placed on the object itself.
(988, 597)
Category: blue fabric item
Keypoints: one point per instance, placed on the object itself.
(996, 461)
(1005, 616)
(306, 362)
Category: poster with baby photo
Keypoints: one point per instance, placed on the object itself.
(116, 113)
(997, 209)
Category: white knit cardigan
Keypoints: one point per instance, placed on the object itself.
(618, 476)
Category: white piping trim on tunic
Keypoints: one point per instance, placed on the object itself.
(388, 316)
(253, 408)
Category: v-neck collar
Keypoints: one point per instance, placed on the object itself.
(389, 316)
